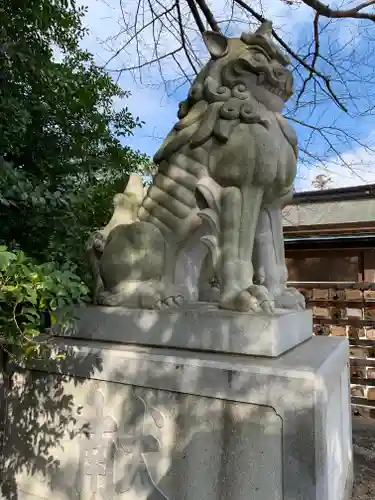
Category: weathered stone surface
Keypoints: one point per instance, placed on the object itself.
(125, 209)
(200, 326)
(166, 424)
(229, 161)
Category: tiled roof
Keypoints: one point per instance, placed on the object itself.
(329, 212)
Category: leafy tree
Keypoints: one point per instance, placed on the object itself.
(30, 295)
(61, 161)
(60, 131)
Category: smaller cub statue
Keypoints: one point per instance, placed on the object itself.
(228, 165)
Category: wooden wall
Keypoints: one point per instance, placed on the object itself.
(343, 309)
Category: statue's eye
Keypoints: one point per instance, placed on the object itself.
(259, 57)
(279, 73)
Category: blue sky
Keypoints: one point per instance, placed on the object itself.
(347, 46)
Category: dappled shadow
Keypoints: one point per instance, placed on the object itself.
(162, 423)
(120, 421)
(196, 325)
(40, 416)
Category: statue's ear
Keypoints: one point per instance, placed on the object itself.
(216, 43)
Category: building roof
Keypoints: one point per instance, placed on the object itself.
(335, 194)
(346, 209)
(334, 212)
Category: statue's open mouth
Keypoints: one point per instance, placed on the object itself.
(274, 90)
(279, 85)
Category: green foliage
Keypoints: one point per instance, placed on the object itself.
(56, 118)
(62, 158)
(30, 295)
(61, 132)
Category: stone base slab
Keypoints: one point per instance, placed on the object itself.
(119, 422)
(198, 326)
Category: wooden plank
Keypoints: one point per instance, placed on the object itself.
(369, 314)
(355, 332)
(362, 342)
(362, 381)
(351, 313)
(360, 352)
(369, 265)
(322, 312)
(363, 402)
(337, 295)
(336, 303)
(338, 330)
(370, 393)
(360, 362)
(353, 295)
(358, 391)
(363, 411)
(369, 295)
(320, 294)
(369, 333)
(349, 321)
(338, 285)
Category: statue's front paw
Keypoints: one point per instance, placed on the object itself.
(255, 298)
(169, 302)
(142, 295)
(291, 298)
(105, 298)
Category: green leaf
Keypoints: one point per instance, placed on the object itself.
(32, 295)
(5, 259)
(60, 125)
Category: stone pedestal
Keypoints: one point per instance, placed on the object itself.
(197, 326)
(127, 422)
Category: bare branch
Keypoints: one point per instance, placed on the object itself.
(162, 43)
(147, 63)
(183, 42)
(151, 23)
(291, 52)
(208, 15)
(355, 12)
(195, 13)
(315, 57)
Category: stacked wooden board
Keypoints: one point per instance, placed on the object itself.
(348, 309)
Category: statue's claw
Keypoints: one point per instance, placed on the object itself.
(255, 298)
(169, 302)
(291, 298)
(260, 296)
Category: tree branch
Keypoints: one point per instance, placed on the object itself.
(147, 63)
(307, 66)
(195, 13)
(151, 23)
(315, 57)
(183, 41)
(208, 15)
(355, 12)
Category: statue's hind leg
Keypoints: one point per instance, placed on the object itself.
(269, 259)
(239, 217)
(136, 268)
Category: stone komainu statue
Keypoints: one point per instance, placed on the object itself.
(224, 173)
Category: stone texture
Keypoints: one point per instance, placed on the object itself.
(152, 423)
(125, 209)
(229, 161)
(197, 326)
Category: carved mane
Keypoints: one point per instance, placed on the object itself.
(219, 98)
